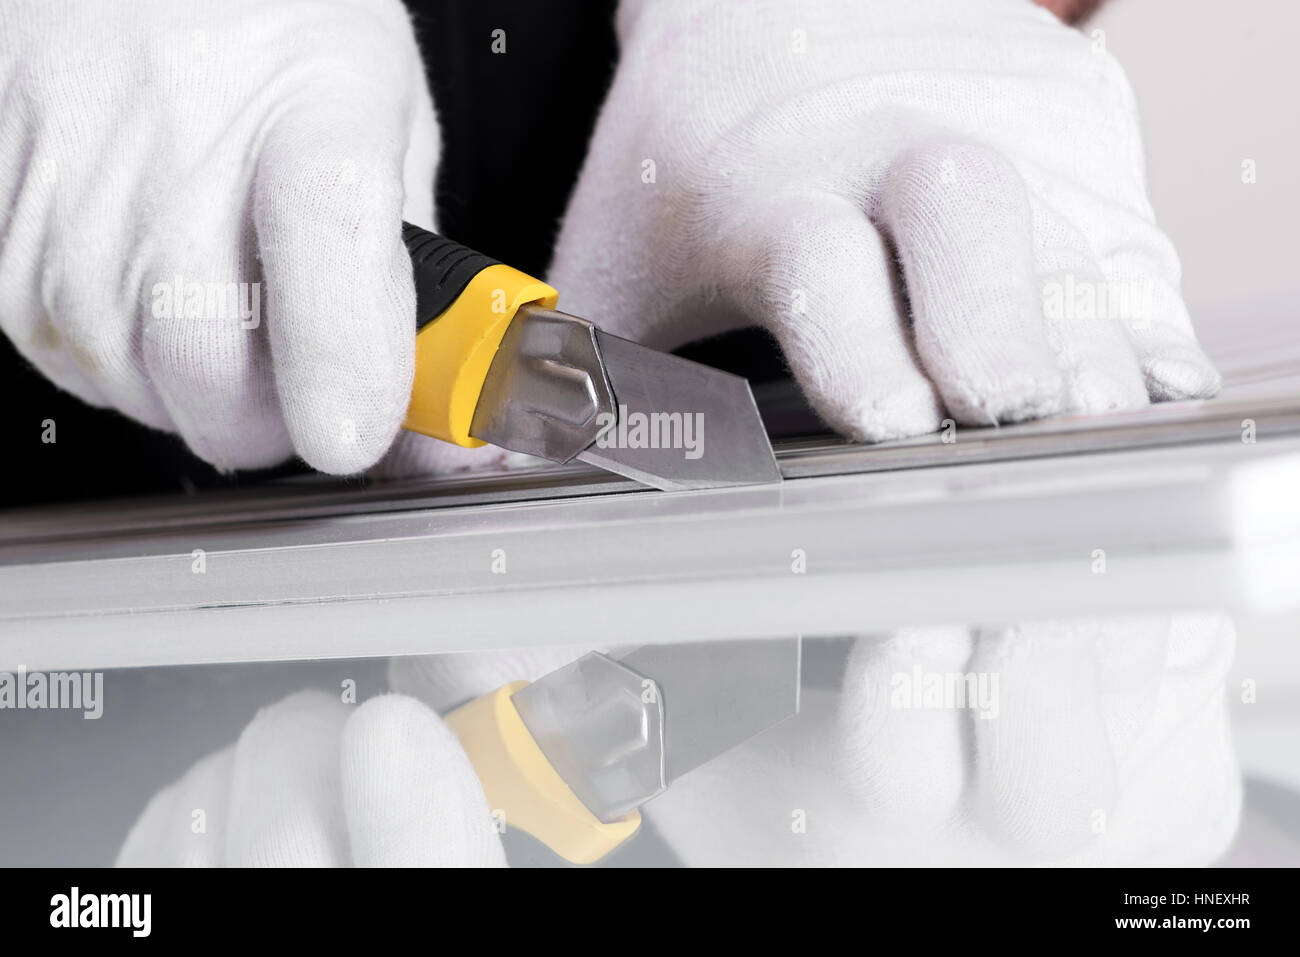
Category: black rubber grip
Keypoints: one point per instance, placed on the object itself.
(443, 268)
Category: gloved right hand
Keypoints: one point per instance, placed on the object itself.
(151, 153)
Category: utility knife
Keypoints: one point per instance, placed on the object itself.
(496, 363)
(570, 758)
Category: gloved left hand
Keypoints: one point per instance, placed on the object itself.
(314, 782)
(937, 207)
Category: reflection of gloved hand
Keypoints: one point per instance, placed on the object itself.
(314, 782)
(1105, 742)
(154, 152)
(767, 162)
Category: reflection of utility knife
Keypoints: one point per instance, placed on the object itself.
(570, 757)
(494, 362)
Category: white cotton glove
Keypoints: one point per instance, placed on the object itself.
(146, 143)
(1107, 743)
(316, 782)
(779, 162)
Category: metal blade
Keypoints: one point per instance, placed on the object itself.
(620, 731)
(545, 391)
(717, 694)
(680, 424)
(599, 731)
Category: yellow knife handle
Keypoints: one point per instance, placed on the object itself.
(520, 782)
(465, 301)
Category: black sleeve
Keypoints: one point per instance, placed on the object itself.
(516, 123)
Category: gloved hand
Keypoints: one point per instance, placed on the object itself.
(802, 165)
(315, 782)
(1104, 743)
(152, 153)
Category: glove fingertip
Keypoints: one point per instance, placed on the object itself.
(410, 791)
(340, 298)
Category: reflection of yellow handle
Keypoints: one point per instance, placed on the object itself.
(455, 350)
(519, 781)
